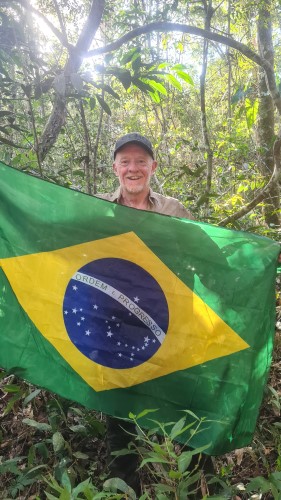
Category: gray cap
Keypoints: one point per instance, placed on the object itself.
(134, 138)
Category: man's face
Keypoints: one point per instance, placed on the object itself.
(134, 167)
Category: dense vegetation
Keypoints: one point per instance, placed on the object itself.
(201, 79)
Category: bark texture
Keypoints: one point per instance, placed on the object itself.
(266, 115)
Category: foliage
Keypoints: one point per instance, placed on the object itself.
(150, 84)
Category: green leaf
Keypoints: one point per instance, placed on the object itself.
(184, 461)
(40, 426)
(125, 78)
(258, 483)
(178, 67)
(174, 474)
(58, 442)
(163, 487)
(31, 396)
(136, 63)
(251, 112)
(176, 430)
(192, 414)
(145, 412)
(109, 90)
(65, 481)
(144, 86)
(173, 81)
(185, 76)
(42, 450)
(81, 487)
(11, 402)
(31, 455)
(78, 428)
(163, 65)
(11, 388)
(11, 466)
(115, 484)
(157, 86)
(154, 459)
(103, 104)
(155, 97)
(80, 455)
(129, 55)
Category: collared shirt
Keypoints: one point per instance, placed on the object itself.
(156, 203)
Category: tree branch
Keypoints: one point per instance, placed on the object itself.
(210, 35)
(261, 196)
(25, 3)
(57, 117)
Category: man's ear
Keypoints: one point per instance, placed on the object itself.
(154, 166)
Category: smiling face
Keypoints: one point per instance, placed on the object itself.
(134, 168)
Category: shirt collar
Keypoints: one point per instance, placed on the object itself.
(116, 197)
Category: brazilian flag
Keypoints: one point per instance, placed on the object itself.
(123, 310)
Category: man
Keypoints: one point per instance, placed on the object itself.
(134, 165)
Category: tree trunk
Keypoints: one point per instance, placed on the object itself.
(57, 117)
(209, 11)
(266, 115)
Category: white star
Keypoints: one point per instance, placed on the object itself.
(113, 317)
(119, 354)
(106, 321)
(95, 306)
(154, 340)
(109, 334)
(118, 343)
(65, 312)
(137, 349)
(146, 344)
(146, 339)
(126, 345)
(80, 309)
(143, 347)
(74, 310)
(78, 324)
(130, 314)
(132, 354)
(133, 347)
(87, 332)
(74, 288)
(109, 327)
(136, 299)
(118, 324)
(131, 359)
(82, 318)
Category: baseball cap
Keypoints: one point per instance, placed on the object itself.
(136, 138)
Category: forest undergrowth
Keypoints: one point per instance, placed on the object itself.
(53, 448)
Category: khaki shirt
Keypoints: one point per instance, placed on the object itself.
(157, 203)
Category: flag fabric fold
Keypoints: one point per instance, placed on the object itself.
(123, 310)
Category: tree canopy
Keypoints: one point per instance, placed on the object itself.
(200, 78)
